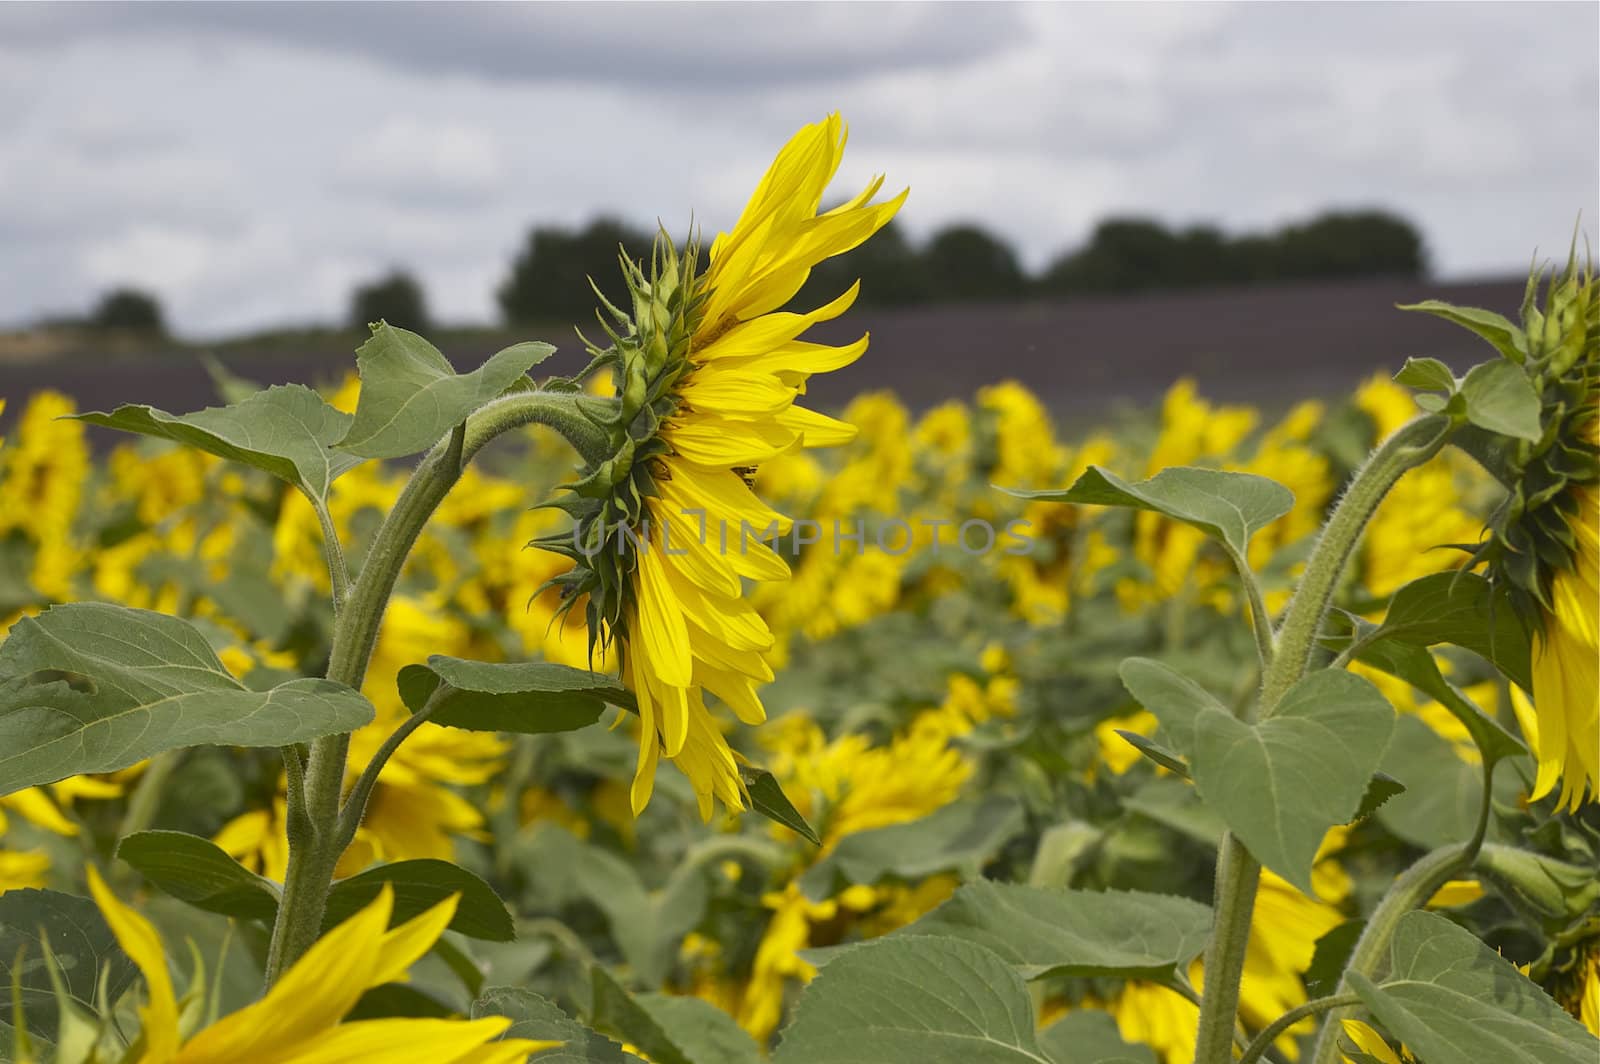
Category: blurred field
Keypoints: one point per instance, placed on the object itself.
(1268, 345)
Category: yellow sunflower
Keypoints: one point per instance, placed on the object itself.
(1542, 544)
(707, 369)
(298, 1022)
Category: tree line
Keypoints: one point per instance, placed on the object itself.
(549, 278)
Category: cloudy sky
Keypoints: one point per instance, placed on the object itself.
(251, 163)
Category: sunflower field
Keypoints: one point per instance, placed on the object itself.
(1204, 734)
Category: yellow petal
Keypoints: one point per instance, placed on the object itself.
(308, 1001)
(139, 940)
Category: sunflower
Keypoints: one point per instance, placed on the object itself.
(1542, 547)
(298, 1022)
(706, 370)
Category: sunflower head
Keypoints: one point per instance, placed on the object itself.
(648, 356)
(1533, 535)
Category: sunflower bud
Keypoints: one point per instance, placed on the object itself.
(1553, 890)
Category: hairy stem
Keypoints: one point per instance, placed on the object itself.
(1238, 873)
(1410, 891)
(1269, 1034)
(314, 852)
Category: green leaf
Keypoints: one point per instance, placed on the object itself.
(1506, 337)
(529, 697)
(1330, 956)
(388, 1000)
(961, 836)
(197, 871)
(1049, 932)
(707, 1034)
(903, 999)
(287, 430)
(1380, 788)
(1443, 792)
(616, 1011)
(1500, 398)
(1167, 759)
(1230, 507)
(1463, 609)
(420, 885)
(1176, 700)
(81, 941)
(1282, 783)
(542, 1020)
(1090, 1036)
(670, 1030)
(768, 799)
(92, 687)
(411, 395)
(1415, 665)
(1426, 374)
(1451, 999)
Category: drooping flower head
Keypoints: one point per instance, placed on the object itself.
(1543, 543)
(707, 366)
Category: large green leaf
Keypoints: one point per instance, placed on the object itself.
(707, 1034)
(1074, 932)
(914, 1000)
(1175, 699)
(1443, 792)
(530, 697)
(1415, 665)
(420, 885)
(542, 1020)
(1463, 609)
(961, 836)
(411, 395)
(79, 938)
(1500, 398)
(1280, 784)
(91, 687)
(1090, 1036)
(197, 871)
(1451, 999)
(287, 430)
(1507, 338)
(671, 1030)
(1230, 507)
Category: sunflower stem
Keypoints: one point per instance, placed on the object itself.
(1410, 891)
(1238, 873)
(1269, 1034)
(314, 852)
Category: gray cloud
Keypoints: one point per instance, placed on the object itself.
(251, 163)
(705, 45)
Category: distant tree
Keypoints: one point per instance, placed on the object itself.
(1123, 255)
(891, 273)
(396, 299)
(549, 280)
(1139, 254)
(1351, 244)
(129, 310)
(964, 262)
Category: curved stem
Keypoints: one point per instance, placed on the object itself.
(355, 806)
(1410, 891)
(1410, 446)
(313, 857)
(1260, 620)
(1269, 1034)
(1238, 873)
(333, 552)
